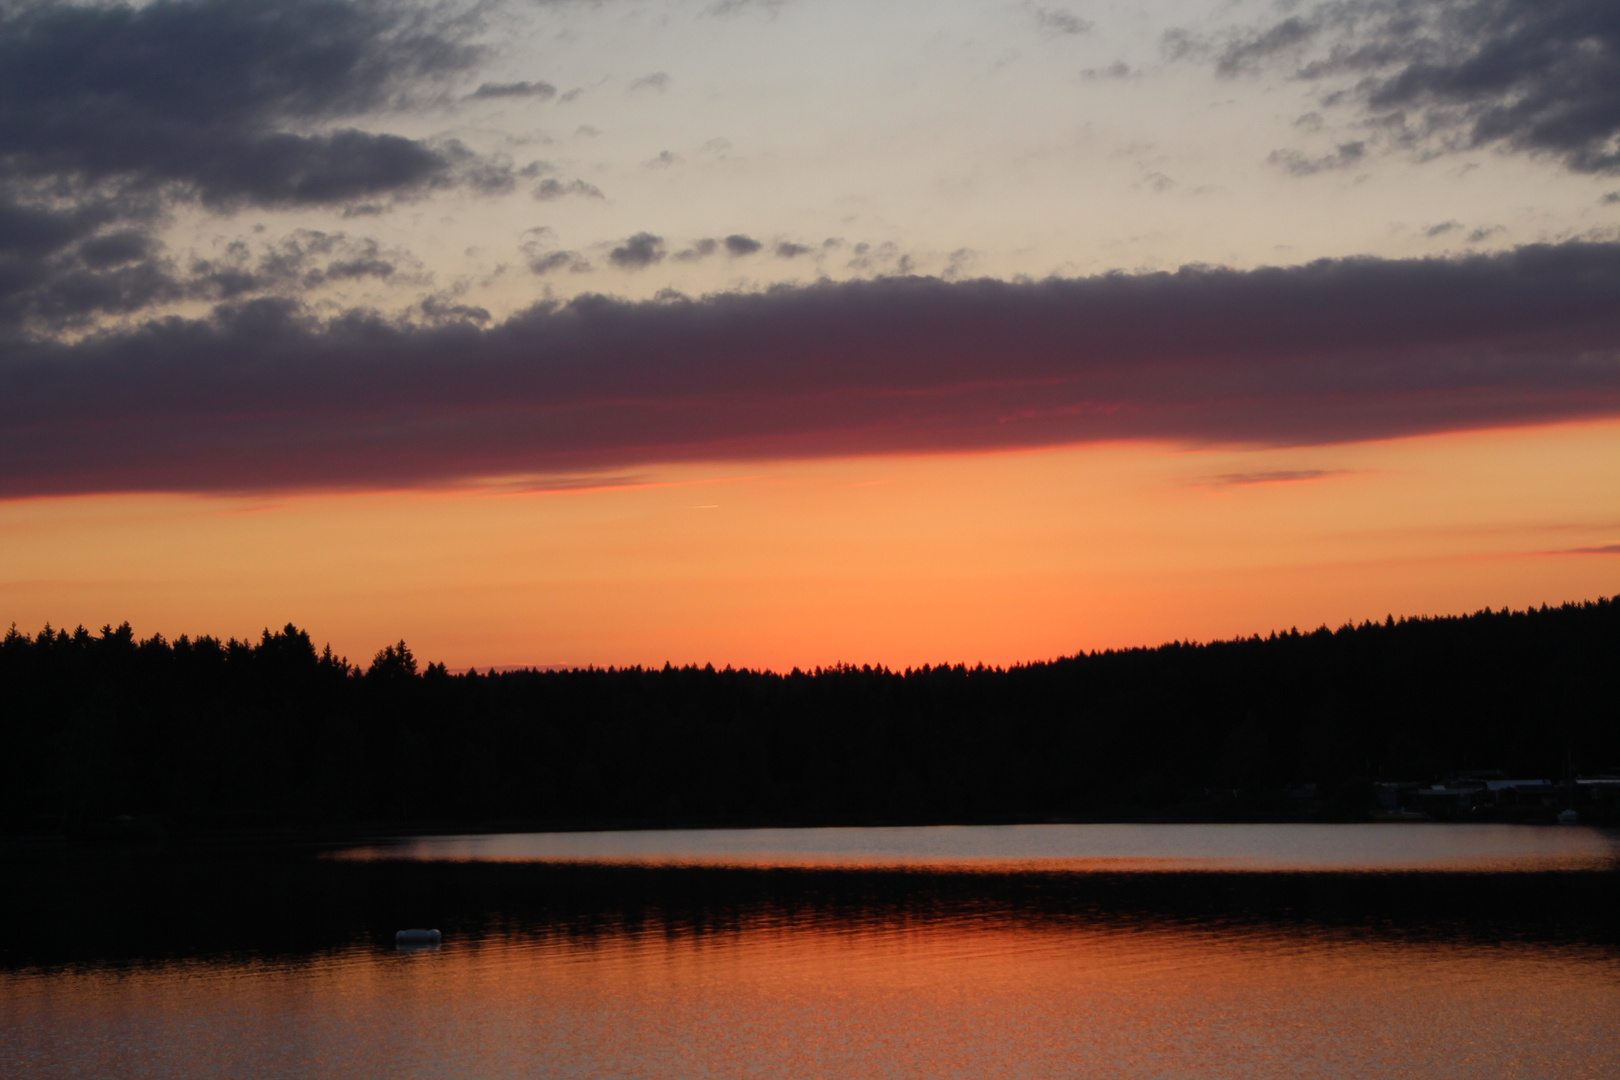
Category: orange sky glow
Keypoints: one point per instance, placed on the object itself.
(903, 560)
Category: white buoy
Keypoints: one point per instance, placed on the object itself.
(417, 937)
(1569, 817)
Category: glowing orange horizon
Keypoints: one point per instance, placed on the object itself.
(998, 558)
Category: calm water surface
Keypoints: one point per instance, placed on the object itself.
(1137, 848)
(1040, 951)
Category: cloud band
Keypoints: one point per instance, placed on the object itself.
(263, 397)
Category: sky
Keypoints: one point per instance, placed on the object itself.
(796, 332)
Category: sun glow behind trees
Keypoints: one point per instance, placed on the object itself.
(999, 558)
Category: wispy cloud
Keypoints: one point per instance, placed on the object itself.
(526, 485)
(555, 189)
(1344, 156)
(1271, 476)
(1058, 22)
(658, 82)
(542, 90)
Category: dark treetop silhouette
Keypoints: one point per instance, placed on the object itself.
(105, 732)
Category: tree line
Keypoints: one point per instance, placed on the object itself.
(199, 733)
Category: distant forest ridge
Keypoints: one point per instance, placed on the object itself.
(399, 655)
(200, 733)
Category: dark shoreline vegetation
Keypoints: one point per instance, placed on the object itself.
(115, 739)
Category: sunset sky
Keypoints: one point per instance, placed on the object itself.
(792, 332)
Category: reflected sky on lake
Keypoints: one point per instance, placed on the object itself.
(984, 998)
(1058, 847)
(1481, 953)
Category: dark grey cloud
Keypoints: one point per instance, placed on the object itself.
(727, 8)
(54, 264)
(556, 189)
(116, 248)
(438, 310)
(119, 272)
(1343, 156)
(263, 395)
(550, 261)
(700, 250)
(64, 262)
(1179, 44)
(1056, 22)
(1432, 76)
(1252, 51)
(543, 257)
(112, 114)
(1119, 69)
(206, 93)
(1474, 236)
(306, 259)
(485, 175)
(961, 261)
(542, 90)
(884, 258)
(638, 252)
(736, 245)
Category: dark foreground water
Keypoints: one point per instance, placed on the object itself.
(1037, 951)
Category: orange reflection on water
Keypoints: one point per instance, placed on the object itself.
(992, 997)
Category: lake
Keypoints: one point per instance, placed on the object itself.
(1016, 951)
(1074, 848)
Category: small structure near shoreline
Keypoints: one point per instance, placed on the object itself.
(1489, 795)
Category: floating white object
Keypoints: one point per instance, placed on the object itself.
(417, 937)
(1568, 817)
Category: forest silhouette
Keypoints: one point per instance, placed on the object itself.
(199, 734)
